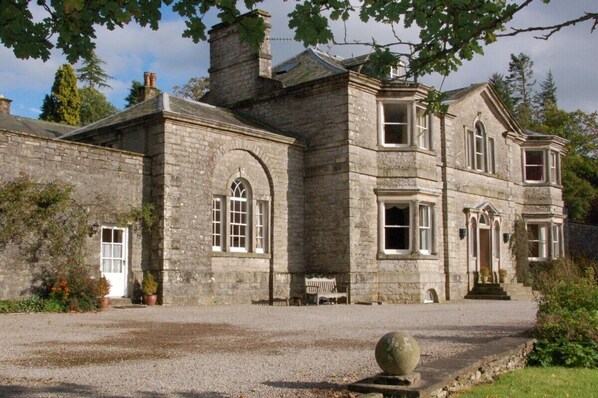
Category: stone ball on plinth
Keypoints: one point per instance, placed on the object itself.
(397, 353)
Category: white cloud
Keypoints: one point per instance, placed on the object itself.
(572, 55)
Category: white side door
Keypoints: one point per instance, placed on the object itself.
(114, 259)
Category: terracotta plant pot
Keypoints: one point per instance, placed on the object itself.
(104, 302)
(150, 299)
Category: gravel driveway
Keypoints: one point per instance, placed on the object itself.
(231, 351)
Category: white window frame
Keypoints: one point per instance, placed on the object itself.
(261, 226)
(491, 156)
(425, 229)
(554, 165)
(388, 205)
(541, 240)
(218, 224)
(383, 123)
(422, 127)
(479, 154)
(238, 210)
(556, 240)
(469, 140)
(542, 166)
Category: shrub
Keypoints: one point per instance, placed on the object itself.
(149, 285)
(567, 320)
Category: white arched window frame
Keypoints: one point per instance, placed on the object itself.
(238, 213)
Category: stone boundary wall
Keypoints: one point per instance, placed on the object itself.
(487, 369)
(581, 240)
(104, 180)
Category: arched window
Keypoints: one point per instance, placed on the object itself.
(238, 216)
(480, 149)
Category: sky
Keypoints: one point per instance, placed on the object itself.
(571, 55)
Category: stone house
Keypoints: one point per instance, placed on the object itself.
(309, 167)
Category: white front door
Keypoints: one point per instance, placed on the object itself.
(114, 259)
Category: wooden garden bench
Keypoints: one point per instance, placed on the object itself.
(323, 288)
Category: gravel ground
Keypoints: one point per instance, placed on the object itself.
(231, 351)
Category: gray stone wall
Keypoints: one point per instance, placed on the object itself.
(317, 111)
(201, 161)
(105, 181)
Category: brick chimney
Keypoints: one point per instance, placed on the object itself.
(149, 89)
(238, 71)
(4, 105)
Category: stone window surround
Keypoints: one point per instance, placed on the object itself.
(415, 198)
(253, 252)
(549, 224)
(551, 173)
(488, 153)
(413, 140)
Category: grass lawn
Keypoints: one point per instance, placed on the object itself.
(540, 382)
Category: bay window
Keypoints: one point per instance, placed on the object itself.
(404, 124)
(534, 165)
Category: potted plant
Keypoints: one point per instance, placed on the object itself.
(484, 274)
(502, 275)
(103, 289)
(149, 287)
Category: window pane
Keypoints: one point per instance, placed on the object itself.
(395, 113)
(118, 236)
(395, 124)
(118, 251)
(106, 250)
(534, 165)
(106, 235)
(469, 148)
(397, 238)
(117, 266)
(397, 222)
(491, 166)
(423, 135)
(106, 265)
(396, 134)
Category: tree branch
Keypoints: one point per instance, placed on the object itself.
(554, 28)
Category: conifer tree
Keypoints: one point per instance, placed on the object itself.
(500, 85)
(91, 74)
(63, 104)
(94, 106)
(521, 85)
(133, 98)
(547, 93)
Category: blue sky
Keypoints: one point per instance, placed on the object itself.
(572, 55)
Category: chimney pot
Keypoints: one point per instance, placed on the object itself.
(146, 79)
(152, 79)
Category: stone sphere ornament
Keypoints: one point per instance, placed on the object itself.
(397, 353)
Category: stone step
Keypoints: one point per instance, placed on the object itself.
(120, 301)
(487, 297)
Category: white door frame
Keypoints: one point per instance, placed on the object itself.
(109, 259)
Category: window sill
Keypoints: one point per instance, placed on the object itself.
(405, 148)
(240, 254)
(409, 256)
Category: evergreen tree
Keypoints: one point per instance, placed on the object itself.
(521, 84)
(91, 73)
(546, 97)
(63, 104)
(500, 85)
(94, 106)
(134, 97)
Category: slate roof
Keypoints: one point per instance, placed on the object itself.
(33, 126)
(311, 64)
(165, 103)
(457, 94)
